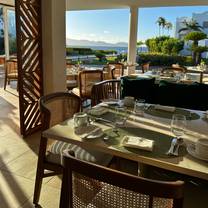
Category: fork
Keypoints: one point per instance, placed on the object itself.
(172, 147)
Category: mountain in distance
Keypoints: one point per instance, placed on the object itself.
(74, 42)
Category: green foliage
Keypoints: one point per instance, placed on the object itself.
(159, 59)
(100, 56)
(121, 58)
(191, 25)
(195, 36)
(12, 45)
(172, 46)
(139, 43)
(79, 51)
(2, 51)
(164, 44)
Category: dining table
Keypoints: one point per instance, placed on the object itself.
(154, 125)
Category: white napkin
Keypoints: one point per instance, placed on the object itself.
(165, 108)
(138, 142)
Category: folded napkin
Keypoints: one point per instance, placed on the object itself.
(165, 108)
(98, 111)
(138, 142)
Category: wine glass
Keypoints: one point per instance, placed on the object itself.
(139, 107)
(120, 117)
(178, 125)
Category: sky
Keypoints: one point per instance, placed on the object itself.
(113, 25)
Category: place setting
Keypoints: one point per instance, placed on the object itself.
(199, 149)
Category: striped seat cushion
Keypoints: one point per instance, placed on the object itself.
(55, 153)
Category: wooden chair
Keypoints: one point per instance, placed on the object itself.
(117, 70)
(109, 188)
(71, 76)
(105, 90)
(55, 108)
(145, 67)
(87, 78)
(107, 75)
(11, 72)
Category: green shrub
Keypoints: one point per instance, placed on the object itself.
(159, 59)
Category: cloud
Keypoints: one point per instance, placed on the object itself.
(106, 32)
(92, 35)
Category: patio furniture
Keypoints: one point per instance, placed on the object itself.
(11, 72)
(166, 93)
(174, 70)
(117, 70)
(2, 60)
(145, 67)
(55, 108)
(107, 75)
(86, 79)
(155, 127)
(113, 188)
(71, 74)
(108, 89)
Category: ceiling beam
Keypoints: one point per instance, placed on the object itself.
(121, 4)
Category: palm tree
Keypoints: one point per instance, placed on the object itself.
(161, 23)
(168, 26)
(191, 25)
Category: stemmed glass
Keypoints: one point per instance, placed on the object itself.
(178, 126)
(120, 117)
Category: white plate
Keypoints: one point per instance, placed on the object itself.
(191, 151)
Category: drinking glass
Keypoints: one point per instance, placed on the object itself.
(178, 125)
(120, 117)
(139, 107)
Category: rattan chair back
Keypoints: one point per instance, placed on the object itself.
(87, 78)
(114, 189)
(145, 67)
(11, 71)
(105, 90)
(117, 70)
(57, 107)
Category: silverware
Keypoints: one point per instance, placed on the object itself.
(172, 147)
(179, 143)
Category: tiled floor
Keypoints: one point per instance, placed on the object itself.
(18, 158)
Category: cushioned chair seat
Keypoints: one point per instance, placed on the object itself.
(87, 93)
(57, 148)
(122, 198)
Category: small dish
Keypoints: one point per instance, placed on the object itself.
(192, 152)
(96, 133)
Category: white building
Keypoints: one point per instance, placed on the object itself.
(179, 25)
(202, 19)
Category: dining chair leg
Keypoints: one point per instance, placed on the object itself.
(5, 82)
(38, 185)
(40, 170)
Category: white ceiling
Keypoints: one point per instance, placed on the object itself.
(118, 4)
